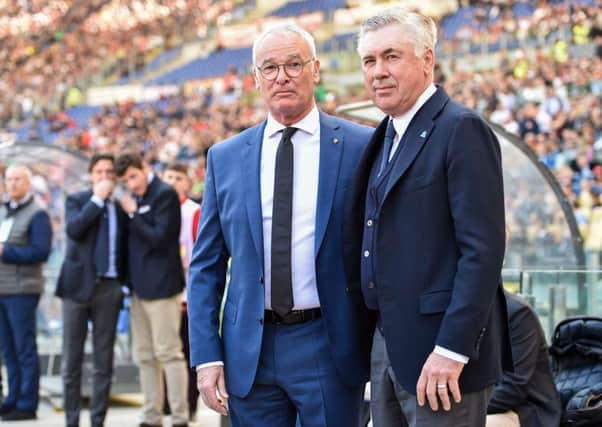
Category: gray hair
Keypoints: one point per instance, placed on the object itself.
(21, 166)
(420, 30)
(285, 29)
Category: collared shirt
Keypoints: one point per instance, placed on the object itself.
(306, 146)
(112, 217)
(402, 122)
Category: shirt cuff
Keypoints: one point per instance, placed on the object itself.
(97, 201)
(451, 354)
(208, 365)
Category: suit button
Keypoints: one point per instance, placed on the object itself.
(371, 285)
(261, 280)
(369, 223)
(260, 321)
(366, 254)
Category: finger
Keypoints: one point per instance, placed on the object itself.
(431, 394)
(421, 389)
(443, 393)
(210, 399)
(454, 389)
(221, 386)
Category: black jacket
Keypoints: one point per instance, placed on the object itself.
(529, 390)
(77, 278)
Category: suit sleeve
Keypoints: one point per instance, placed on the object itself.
(207, 278)
(40, 238)
(80, 217)
(476, 202)
(166, 221)
(525, 336)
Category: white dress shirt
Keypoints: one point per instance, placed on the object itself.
(306, 146)
(401, 124)
(306, 163)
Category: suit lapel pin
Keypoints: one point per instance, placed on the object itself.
(423, 134)
(335, 140)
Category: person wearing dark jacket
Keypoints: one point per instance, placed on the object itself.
(526, 397)
(90, 287)
(25, 241)
(157, 280)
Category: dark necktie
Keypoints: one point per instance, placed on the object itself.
(101, 250)
(282, 216)
(387, 144)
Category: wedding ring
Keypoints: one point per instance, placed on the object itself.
(441, 385)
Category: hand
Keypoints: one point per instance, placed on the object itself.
(1, 248)
(210, 382)
(103, 189)
(439, 370)
(128, 204)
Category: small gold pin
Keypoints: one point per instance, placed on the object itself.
(335, 141)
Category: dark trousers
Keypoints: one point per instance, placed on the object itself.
(296, 376)
(393, 406)
(19, 349)
(102, 311)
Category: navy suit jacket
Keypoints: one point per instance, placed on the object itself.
(439, 243)
(231, 228)
(155, 266)
(77, 278)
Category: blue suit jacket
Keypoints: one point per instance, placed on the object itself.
(231, 228)
(155, 266)
(439, 244)
(77, 278)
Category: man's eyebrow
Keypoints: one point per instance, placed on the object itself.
(289, 57)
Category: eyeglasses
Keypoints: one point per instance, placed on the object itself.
(292, 69)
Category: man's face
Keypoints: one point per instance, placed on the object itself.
(393, 75)
(288, 99)
(178, 180)
(101, 171)
(17, 183)
(135, 180)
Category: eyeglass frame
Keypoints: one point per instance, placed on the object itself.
(283, 66)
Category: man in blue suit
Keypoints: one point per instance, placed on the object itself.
(425, 238)
(291, 340)
(90, 286)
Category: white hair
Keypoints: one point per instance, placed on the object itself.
(418, 29)
(25, 169)
(284, 29)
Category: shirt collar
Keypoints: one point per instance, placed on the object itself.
(14, 205)
(308, 124)
(401, 122)
(150, 177)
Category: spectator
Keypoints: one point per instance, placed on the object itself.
(25, 241)
(157, 279)
(526, 396)
(90, 286)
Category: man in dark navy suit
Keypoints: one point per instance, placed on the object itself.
(292, 339)
(426, 236)
(157, 280)
(90, 286)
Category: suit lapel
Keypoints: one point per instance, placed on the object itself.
(416, 136)
(331, 149)
(251, 158)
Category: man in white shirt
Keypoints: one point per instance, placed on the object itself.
(292, 338)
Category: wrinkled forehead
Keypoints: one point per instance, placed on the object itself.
(281, 47)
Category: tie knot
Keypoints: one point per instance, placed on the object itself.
(288, 132)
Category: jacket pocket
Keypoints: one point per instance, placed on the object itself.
(435, 302)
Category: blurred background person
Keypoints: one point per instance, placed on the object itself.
(90, 286)
(25, 240)
(157, 280)
(176, 175)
